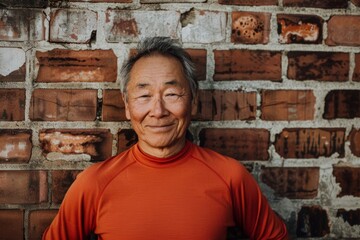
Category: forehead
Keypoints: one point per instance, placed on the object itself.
(156, 69)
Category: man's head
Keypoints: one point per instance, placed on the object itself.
(158, 86)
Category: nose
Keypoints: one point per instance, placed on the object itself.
(159, 108)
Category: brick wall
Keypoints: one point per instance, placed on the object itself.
(279, 90)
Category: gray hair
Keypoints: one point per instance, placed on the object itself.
(164, 46)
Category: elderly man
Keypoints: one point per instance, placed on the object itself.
(164, 187)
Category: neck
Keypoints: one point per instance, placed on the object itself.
(162, 152)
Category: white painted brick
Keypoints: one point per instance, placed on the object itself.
(11, 59)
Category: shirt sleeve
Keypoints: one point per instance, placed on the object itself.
(253, 213)
(76, 216)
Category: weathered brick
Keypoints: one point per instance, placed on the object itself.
(103, 1)
(25, 3)
(12, 224)
(321, 66)
(316, 3)
(299, 28)
(126, 138)
(310, 143)
(61, 181)
(15, 146)
(97, 143)
(356, 2)
(342, 104)
(199, 56)
(72, 25)
(219, 105)
(292, 182)
(63, 105)
(131, 26)
(39, 220)
(249, 2)
(63, 65)
(349, 180)
(343, 30)
(171, 1)
(23, 187)
(12, 65)
(241, 144)
(350, 216)
(247, 65)
(354, 138)
(203, 26)
(22, 25)
(287, 105)
(250, 27)
(12, 104)
(356, 74)
(313, 221)
(113, 108)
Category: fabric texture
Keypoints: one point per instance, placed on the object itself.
(196, 194)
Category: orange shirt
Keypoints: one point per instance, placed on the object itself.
(196, 194)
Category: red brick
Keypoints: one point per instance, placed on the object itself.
(356, 2)
(113, 108)
(103, 1)
(247, 65)
(126, 138)
(12, 65)
(22, 25)
(12, 104)
(61, 181)
(291, 182)
(250, 27)
(342, 104)
(72, 25)
(97, 143)
(352, 217)
(343, 30)
(356, 75)
(39, 220)
(321, 66)
(299, 28)
(63, 105)
(219, 105)
(348, 178)
(241, 144)
(63, 65)
(25, 3)
(15, 146)
(312, 221)
(354, 138)
(310, 143)
(12, 224)
(23, 187)
(327, 4)
(249, 2)
(199, 58)
(287, 105)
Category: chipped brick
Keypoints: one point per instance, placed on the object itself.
(343, 30)
(249, 2)
(247, 65)
(113, 108)
(310, 143)
(354, 138)
(313, 221)
(328, 4)
(320, 66)
(39, 220)
(63, 65)
(241, 144)
(12, 104)
(299, 28)
(12, 224)
(61, 181)
(96, 143)
(126, 138)
(291, 182)
(250, 27)
(342, 104)
(15, 146)
(348, 178)
(219, 105)
(72, 25)
(287, 105)
(12, 65)
(350, 216)
(63, 105)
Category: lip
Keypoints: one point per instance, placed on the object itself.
(160, 128)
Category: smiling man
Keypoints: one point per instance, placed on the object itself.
(164, 187)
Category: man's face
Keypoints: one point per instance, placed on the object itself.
(158, 103)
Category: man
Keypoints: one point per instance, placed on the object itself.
(164, 187)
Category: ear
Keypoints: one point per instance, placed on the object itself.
(127, 112)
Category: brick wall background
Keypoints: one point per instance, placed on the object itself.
(280, 91)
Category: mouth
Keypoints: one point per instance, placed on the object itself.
(160, 128)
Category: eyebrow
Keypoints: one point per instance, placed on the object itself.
(168, 83)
